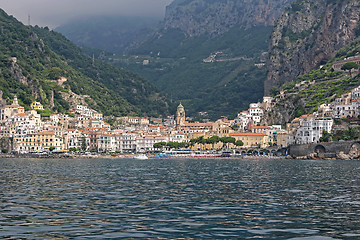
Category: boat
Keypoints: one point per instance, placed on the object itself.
(141, 157)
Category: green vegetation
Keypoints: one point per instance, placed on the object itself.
(52, 149)
(319, 86)
(349, 66)
(171, 145)
(216, 139)
(222, 87)
(45, 113)
(353, 133)
(116, 91)
(43, 55)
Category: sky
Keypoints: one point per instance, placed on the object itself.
(53, 13)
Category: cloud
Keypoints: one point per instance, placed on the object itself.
(56, 12)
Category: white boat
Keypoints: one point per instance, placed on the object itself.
(141, 157)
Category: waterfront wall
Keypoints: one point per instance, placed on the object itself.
(326, 150)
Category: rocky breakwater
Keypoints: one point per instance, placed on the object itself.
(346, 150)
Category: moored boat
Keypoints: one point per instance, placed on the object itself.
(141, 157)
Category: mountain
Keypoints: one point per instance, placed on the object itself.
(209, 54)
(308, 35)
(307, 92)
(32, 58)
(215, 17)
(110, 33)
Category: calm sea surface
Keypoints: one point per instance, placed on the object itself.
(179, 198)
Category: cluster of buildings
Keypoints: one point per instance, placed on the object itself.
(310, 128)
(84, 129)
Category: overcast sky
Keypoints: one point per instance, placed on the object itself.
(53, 13)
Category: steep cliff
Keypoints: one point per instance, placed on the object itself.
(309, 91)
(214, 17)
(209, 54)
(309, 34)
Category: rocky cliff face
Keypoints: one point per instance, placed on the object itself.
(309, 34)
(214, 17)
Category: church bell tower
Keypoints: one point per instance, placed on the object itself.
(180, 116)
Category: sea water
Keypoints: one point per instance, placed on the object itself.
(179, 199)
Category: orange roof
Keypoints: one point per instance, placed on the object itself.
(46, 133)
(247, 134)
(260, 127)
(151, 137)
(199, 124)
(12, 106)
(71, 130)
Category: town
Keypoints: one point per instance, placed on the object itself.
(85, 130)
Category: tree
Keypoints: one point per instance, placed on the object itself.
(72, 149)
(173, 145)
(83, 144)
(349, 66)
(55, 72)
(227, 140)
(213, 140)
(274, 91)
(199, 140)
(159, 145)
(51, 149)
(239, 143)
(326, 137)
(235, 127)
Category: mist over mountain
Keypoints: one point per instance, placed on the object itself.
(33, 58)
(215, 17)
(110, 33)
(209, 54)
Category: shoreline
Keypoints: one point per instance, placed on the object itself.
(131, 156)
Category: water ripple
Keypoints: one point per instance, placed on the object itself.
(184, 198)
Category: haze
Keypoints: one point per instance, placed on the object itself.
(53, 13)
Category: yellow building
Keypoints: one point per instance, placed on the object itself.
(28, 143)
(36, 106)
(252, 139)
(48, 139)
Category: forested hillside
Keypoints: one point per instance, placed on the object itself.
(217, 75)
(42, 56)
(210, 55)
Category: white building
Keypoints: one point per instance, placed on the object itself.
(179, 138)
(146, 143)
(243, 120)
(311, 130)
(256, 112)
